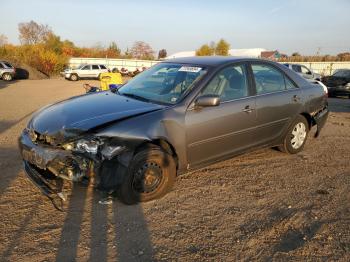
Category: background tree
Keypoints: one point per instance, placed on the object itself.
(32, 32)
(113, 51)
(162, 54)
(53, 42)
(296, 54)
(343, 56)
(222, 48)
(142, 50)
(205, 50)
(3, 40)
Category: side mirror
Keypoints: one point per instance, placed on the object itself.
(207, 100)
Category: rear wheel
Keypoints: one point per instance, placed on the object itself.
(74, 77)
(296, 136)
(7, 77)
(151, 174)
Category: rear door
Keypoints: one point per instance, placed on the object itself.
(213, 132)
(95, 71)
(278, 101)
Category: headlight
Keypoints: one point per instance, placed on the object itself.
(93, 146)
(347, 86)
(84, 145)
(87, 146)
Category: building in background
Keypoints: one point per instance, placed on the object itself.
(271, 55)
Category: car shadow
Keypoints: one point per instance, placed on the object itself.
(117, 231)
(4, 84)
(5, 125)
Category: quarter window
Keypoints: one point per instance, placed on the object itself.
(230, 83)
(296, 68)
(267, 79)
(102, 67)
(289, 84)
(306, 71)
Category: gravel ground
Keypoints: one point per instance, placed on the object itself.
(263, 206)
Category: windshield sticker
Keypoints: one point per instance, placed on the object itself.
(190, 69)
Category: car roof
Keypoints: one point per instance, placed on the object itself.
(210, 60)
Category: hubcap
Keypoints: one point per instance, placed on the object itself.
(147, 178)
(298, 135)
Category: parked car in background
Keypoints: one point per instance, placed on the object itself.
(7, 71)
(84, 71)
(179, 115)
(304, 71)
(338, 84)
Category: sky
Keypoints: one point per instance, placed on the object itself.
(304, 26)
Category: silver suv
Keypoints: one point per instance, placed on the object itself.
(84, 71)
(7, 71)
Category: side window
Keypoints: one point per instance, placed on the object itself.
(102, 67)
(87, 67)
(95, 67)
(289, 84)
(296, 68)
(267, 79)
(230, 83)
(305, 70)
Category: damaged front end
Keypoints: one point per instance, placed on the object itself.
(53, 164)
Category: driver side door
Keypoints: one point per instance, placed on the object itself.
(218, 131)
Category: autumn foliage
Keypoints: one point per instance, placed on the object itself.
(43, 50)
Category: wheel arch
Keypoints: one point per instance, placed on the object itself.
(310, 120)
(163, 144)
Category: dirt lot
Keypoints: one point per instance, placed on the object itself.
(263, 205)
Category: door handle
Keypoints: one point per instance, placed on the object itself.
(296, 98)
(247, 109)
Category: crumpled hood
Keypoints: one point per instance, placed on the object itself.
(79, 114)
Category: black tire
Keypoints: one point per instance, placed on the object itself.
(7, 77)
(74, 77)
(290, 145)
(151, 164)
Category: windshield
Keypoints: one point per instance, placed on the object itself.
(163, 83)
(342, 73)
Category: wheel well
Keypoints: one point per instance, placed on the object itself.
(309, 119)
(162, 143)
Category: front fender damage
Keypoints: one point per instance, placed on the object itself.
(54, 169)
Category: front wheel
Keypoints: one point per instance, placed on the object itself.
(7, 77)
(151, 174)
(295, 139)
(74, 77)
